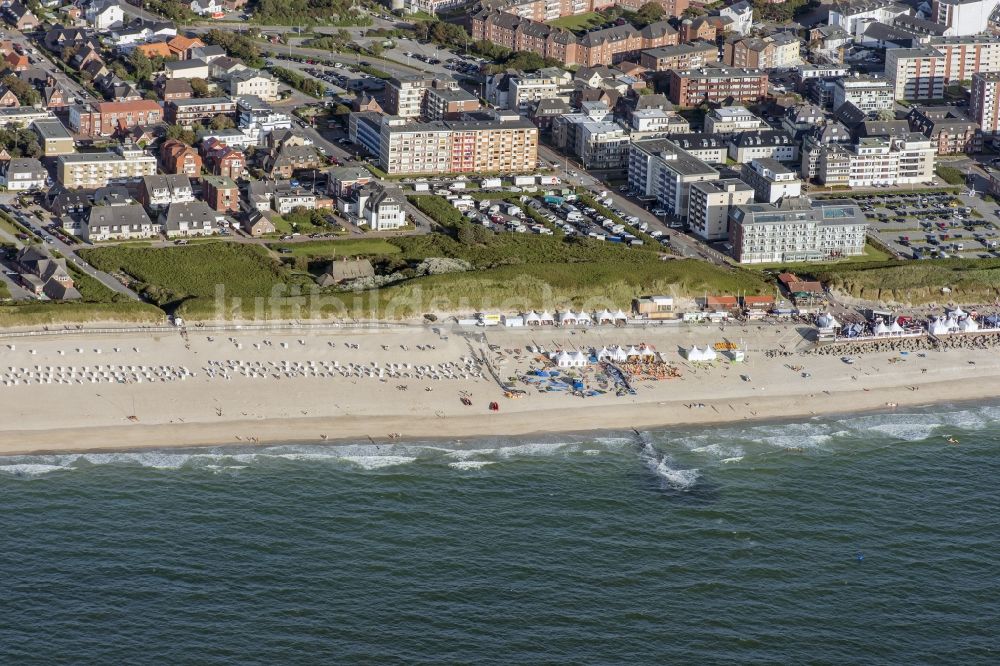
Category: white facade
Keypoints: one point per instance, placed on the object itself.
(104, 15)
(765, 233)
(868, 93)
(731, 119)
(742, 15)
(923, 73)
(661, 171)
(964, 17)
(877, 161)
(857, 16)
(709, 203)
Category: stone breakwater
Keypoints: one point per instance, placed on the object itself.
(969, 341)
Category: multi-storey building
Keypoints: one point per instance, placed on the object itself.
(761, 144)
(107, 118)
(682, 56)
(187, 112)
(925, 71)
(731, 119)
(406, 95)
(777, 51)
(985, 102)
(599, 144)
(854, 17)
(771, 180)
(963, 17)
(796, 230)
(93, 170)
(950, 130)
(714, 84)
(447, 103)
(663, 172)
(868, 93)
(253, 82)
(877, 161)
(657, 121)
(526, 89)
(598, 47)
(709, 203)
(498, 145)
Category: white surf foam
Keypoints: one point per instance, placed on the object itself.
(32, 469)
(677, 479)
(378, 462)
(470, 464)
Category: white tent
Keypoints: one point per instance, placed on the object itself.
(827, 321)
(621, 316)
(709, 354)
(952, 324)
(939, 327)
(969, 325)
(644, 350)
(696, 354)
(603, 353)
(532, 319)
(579, 358)
(583, 318)
(564, 359)
(896, 329)
(632, 352)
(546, 318)
(881, 329)
(568, 317)
(605, 317)
(958, 312)
(619, 354)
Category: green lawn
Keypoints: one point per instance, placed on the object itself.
(348, 247)
(578, 21)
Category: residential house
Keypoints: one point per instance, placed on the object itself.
(179, 158)
(342, 181)
(43, 274)
(59, 37)
(20, 174)
(187, 112)
(221, 160)
(108, 118)
(180, 46)
(20, 17)
(344, 270)
(176, 89)
(160, 191)
(123, 222)
(193, 218)
(948, 128)
(54, 97)
(220, 193)
(155, 50)
(256, 224)
(7, 98)
(285, 161)
(380, 210)
(16, 62)
(207, 7)
(104, 15)
(253, 82)
(92, 170)
(206, 53)
(185, 69)
(223, 68)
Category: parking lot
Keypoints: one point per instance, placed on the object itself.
(930, 226)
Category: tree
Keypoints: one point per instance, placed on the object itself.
(650, 12)
(200, 88)
(693, 12)
(24, 92)
(222, 122)
(141, 65)
(375, 48)
(182, 134)
(885, 114)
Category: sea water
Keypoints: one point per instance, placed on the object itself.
(867, 539)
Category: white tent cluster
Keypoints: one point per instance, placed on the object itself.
(568, 359)
(827, 322)
(465, 368)
(956, 321)
(93, 374)
(705, 355)
(571, 318)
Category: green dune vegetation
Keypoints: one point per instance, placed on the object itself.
(918, 282)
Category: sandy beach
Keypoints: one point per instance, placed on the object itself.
(267, 387)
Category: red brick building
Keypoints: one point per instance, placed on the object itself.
(714, 84)
(221, 194)
(178, 157)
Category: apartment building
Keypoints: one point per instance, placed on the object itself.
(796, 229)
(107, 118)
(770, 180)
(663, 172)
(498, 145)
(963, 17)
(447, 103)
(869, 93)
(657, 121)
(405, 95)
(731, 119)
(876, 161)
(779, 51)
(949, 129)
(924, 72)
(187, 112)
(258, 83)
(682, 56)
(598, 144)
(598, 47)
(526, 89)
(709, 203)
(93, 170)
(985, 102)
(760, 144)
(854, 17)
(54, 138)
(715, 84)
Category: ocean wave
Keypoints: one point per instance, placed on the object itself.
(465, 465)
(671, 477)
(32, 469)
(378, 462)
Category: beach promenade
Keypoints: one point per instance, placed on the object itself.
(141, 389)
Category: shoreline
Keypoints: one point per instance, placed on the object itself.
(275, 406)
(302, 430)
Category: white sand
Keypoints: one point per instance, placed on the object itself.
(204, 411)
